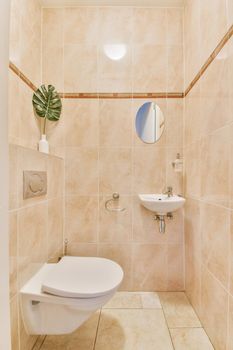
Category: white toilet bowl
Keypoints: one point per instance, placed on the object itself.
(60, 297)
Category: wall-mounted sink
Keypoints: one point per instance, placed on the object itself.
(161, 204)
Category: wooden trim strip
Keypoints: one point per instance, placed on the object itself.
(214, 54)
(22, 76)
(126, 95)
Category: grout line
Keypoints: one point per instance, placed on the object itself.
(42, 343)
(167, 324)
(97, 330)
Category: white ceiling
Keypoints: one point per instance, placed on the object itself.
(141, 3)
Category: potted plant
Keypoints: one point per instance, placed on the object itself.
(47, 105)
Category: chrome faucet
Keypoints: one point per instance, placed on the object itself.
(169, 191)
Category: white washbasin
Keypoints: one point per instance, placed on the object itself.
(161, 203)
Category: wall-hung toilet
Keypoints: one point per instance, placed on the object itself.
(60, 297)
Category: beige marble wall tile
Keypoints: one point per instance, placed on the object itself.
(231, 165)
(230, 324)
(178, 312)
(13, 188)
(30, 40)
(81, 25)
(52, 49)
(133, 329)
(53, 24)
(82, 122)
(214, 310)
(175, 26)
(149, 68)
(175, 78)
(115, 170)
(29, 129)
(115, 227)
(193, 227)
(230, 69)
(193, 253)
(190, 338)
(81, 166)
(149, 166)
(13, 108)
(174, 122)
(215, 111)
(13, 246)
(213, 25)
(192, 35)
(52, 69)
(32, 240)
(193, 155)
(56, 136)
(122, 254)
(82, 219)
(55, 226)
(14, 324)
(229, 13)
(82, 249)
(231, 254)
(149, 26)
(151, 273)
(192, 116)
(115, 25)
(215, 162)
(15, 21)
(216, 240)
(80, 68)
(115, 123)
(55, 183)
(193, 281)
(175, 263)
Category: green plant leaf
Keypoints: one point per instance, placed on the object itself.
(47, 103)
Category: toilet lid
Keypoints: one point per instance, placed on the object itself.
(82, 277)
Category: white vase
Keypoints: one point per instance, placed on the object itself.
(43, 144)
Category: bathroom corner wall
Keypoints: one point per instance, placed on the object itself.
(97, 138)
(209, 164)
(36, 225)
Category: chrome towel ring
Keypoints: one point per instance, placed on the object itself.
(114, 198)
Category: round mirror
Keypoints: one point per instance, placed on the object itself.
(149, 122)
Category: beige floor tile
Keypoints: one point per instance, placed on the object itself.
(150, 300)
(178, 311)
(191, 339)
(133, 330)
(82, 339)
(125, 300)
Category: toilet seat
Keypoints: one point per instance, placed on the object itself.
(81, 277)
